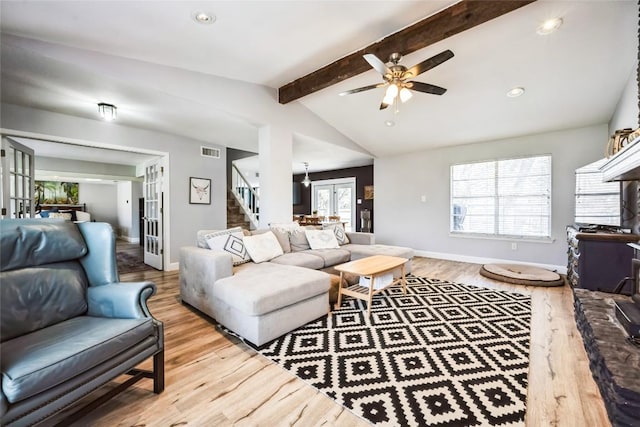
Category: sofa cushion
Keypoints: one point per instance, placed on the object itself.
(298, 240)
(331, 256)
(58, 291)
(263, 288)
(338, 230)
(30, 242)
(300, 259)
(363, 251)
(45, 358)
(263, 247)
(231, 241)
(281, 231)
(321, 239)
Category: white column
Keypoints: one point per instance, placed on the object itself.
(276, 200)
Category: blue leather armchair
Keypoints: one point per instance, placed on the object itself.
(68, 325)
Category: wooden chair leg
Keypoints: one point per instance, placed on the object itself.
(158, 372)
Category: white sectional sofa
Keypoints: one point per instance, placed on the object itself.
(262, 301)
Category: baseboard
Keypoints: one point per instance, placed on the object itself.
(173, 266)
(129, 239)
(562, 269)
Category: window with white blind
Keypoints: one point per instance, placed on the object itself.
(502, 198)
(597, 202)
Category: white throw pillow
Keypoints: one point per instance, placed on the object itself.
(321, 239)
(263, 247)
(231, 241)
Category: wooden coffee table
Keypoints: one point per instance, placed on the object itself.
(373, 266)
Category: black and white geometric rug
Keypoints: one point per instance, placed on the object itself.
(445, 354)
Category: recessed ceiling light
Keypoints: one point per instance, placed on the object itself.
(390, 123)
(515, 92)
(204, 18)
(549, 26)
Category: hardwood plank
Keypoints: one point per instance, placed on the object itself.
(214, 379)
(459, 17)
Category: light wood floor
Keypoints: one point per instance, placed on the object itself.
(214, 380)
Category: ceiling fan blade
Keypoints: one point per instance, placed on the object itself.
(377, 64)
(428, 64)
(426, 88)
(361, 89)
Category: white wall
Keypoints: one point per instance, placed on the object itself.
(136, 194)
(402, 219)
(124, 192)
(101, 200)
(626, 114)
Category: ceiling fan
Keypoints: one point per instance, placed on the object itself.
(396, 78)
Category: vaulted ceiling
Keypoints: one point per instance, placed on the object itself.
(573, 77)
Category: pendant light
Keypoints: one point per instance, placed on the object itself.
(306, 181)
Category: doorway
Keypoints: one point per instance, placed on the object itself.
(50, 148)
(335, 197)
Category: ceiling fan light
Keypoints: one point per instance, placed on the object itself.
(405, 94)
(392, 92)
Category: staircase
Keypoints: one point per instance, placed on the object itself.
(235, 214)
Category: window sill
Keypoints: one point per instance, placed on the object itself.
(503, 238)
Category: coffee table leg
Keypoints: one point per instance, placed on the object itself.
(339, 302)
(371, 287)
(404, 281)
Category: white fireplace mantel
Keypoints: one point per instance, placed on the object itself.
(625, 165)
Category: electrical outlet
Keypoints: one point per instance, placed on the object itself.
(514, 246)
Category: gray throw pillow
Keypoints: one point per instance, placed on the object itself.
(298, 240)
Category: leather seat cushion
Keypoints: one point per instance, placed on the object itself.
(47, 357)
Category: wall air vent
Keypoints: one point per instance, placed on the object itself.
(209, 152)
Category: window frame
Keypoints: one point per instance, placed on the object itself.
(595, 168)
(496, 217)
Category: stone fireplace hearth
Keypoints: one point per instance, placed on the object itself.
(614, 360)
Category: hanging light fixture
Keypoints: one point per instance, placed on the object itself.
(108, 112)
(306, 181)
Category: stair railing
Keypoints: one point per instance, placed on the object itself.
(248, 197)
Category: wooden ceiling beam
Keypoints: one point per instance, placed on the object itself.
(455, 19)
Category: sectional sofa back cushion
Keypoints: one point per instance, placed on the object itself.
(41, 280)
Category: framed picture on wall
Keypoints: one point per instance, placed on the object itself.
(199, 191)
(368, 192)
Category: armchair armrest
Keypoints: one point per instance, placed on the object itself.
(120, 300)
(360, 238)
